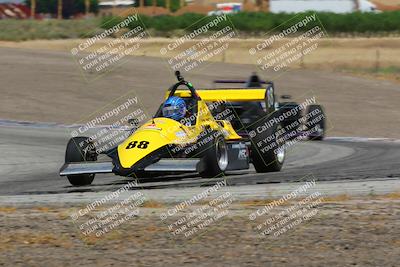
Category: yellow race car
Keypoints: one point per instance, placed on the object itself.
(202, 141)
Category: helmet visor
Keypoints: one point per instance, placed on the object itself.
(170, 111)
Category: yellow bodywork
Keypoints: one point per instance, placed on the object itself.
(159, 132)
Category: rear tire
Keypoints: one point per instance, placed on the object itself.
(80, 153)
(215, 157)
(315, 122)
(270, 155)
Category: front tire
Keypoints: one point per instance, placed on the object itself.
(79, 149)
(215, 157)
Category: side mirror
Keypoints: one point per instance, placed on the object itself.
(286, 96)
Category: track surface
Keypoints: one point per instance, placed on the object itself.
(32, 156)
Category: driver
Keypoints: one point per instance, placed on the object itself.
(174, 108)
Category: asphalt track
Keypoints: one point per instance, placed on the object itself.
(33, 154)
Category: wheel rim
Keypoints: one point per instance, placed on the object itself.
(320, 130)
(222, 155)
(280, 153)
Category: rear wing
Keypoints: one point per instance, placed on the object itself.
(239, 81)
(227, 94)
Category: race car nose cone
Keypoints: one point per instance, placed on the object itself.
(151, 136)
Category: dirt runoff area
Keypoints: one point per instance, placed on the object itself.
(342, 232)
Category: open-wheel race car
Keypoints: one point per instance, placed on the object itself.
(192, 131)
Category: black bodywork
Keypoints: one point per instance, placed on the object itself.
(247, 113)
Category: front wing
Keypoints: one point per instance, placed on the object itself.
(165, 165)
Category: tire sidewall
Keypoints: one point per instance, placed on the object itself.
(266, 144)
(208, 165)
(75, 152)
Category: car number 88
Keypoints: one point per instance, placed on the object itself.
(138, 144)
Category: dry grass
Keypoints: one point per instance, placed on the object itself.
(263, 202)
(17, 239)
(335, 199)
(7, 209)
(324, 199)
(387, 2)
(256, 202)
(359, 55)
(42, 209)
(393, 196)
(152, 204)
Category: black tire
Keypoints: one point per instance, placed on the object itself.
(214, 160)
(292, 118)
(315, 122)
(270, 155)
(77, 153)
